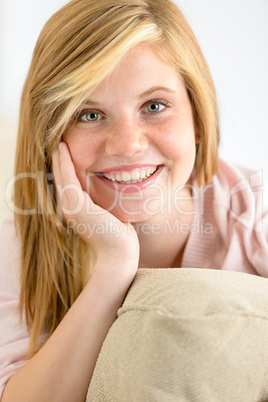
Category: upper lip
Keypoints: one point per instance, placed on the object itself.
(128, 167)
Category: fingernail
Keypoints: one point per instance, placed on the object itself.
(60, 146)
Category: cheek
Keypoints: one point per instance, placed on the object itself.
(177, 140)
(84, 152)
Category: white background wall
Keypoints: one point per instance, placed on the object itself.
(233, 35)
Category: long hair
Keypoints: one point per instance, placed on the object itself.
(78, 47)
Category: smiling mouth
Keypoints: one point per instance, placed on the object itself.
(137, 175)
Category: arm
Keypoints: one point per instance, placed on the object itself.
(63, 367)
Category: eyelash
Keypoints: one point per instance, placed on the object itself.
(78, 116)
(156, 101)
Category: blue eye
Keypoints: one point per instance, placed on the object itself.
(89, 116)
(155, 107)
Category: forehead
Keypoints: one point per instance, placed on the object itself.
(140, 68)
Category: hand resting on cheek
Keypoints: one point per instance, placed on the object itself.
(116, 240)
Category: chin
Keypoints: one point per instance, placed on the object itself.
(130, 217)
(133, 208)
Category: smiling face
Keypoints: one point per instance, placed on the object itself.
(133, 139)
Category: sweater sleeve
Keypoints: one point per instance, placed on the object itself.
(14, 336)
(230, 229)
(245, 194)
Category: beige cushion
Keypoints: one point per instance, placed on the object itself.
(192, 335)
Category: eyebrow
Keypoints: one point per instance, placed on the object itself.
(91, 102)
(143, 95)
(154, 89)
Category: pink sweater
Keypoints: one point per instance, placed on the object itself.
(229, 232)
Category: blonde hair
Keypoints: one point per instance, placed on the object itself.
(78, 47)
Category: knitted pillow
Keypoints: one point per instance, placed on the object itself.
(187, 335)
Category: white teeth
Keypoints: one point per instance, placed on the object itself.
(118, 177)
(136, 176)
(126, 176)
(142, 174)
(148, 172)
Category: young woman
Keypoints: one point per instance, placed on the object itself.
(116, 169)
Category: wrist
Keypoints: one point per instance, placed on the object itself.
(114, 270)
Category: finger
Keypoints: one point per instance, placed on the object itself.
(71, 193)
(56, 166)
(68, 173)
(57, 180)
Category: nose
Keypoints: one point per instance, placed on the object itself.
(126, 138)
